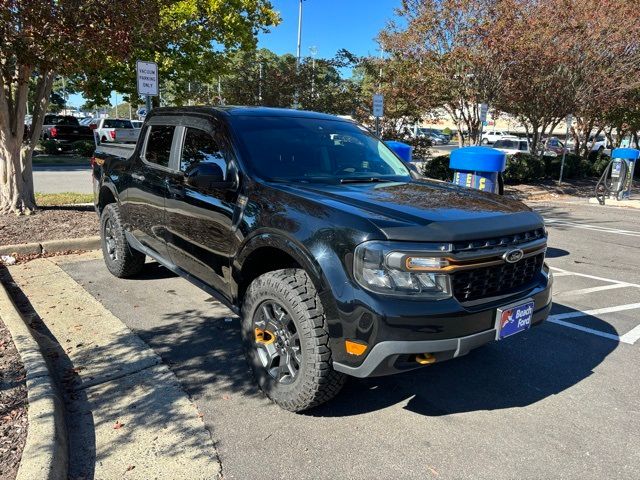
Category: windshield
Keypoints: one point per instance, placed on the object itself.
(112, 123)
(309, 149)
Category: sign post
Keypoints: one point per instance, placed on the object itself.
(569, 121)
(378, 110)
(147, 75)
(484, 108)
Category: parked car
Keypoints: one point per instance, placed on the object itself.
(599, 144)
(64, 130)
(511, 145)
(494, 136)
(554, 147)
(338, 260)
(114, 130)
(435, 136)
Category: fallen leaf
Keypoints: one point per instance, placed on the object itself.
(118, 425)
(130, 467)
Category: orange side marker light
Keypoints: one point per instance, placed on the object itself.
(355, 348)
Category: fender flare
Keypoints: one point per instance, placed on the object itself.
(289, 246)
(107, 184)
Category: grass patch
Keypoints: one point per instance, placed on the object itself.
(66, 198)
(60, 160)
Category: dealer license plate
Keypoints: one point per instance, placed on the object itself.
(514, 319)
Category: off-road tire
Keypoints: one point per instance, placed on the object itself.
(127, 261)
(316, 382)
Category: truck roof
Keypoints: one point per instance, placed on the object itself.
(232, 110)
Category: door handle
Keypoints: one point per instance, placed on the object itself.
(137, 176)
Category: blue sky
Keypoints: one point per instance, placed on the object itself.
(328, 25)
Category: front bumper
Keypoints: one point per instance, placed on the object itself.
(395, 356)
(396, 335)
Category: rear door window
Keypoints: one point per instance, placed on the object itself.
(158, 148)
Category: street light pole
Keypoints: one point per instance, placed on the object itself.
(313, 50)
(296, 95)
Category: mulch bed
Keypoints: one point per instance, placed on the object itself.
(13, 406)
(550, 190)
(48, 223)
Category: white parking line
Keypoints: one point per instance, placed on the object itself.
(559, 272)
(587, 330)
(583, 291)
(629, 337)
(585, 226)
(596, 311)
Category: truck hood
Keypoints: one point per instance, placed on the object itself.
(423, 210)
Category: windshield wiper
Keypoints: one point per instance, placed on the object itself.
(363, 180)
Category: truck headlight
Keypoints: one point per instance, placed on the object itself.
(392, 268)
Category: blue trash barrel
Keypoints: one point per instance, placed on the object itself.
(627, 153)
(477, 167)
(401, 149)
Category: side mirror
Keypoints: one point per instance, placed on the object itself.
(207, 176)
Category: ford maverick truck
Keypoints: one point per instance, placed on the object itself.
(337, 258)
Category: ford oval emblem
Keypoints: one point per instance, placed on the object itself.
(513, 256)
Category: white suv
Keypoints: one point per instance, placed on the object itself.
(492, 137)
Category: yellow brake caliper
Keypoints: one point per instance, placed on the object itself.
(264, 336)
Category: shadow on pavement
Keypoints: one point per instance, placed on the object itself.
(515, 372)
(202, 348)
(98, 412)
(556, 252)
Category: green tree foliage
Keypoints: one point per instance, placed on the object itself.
(190, 45)
(261, 77)
(96, 43)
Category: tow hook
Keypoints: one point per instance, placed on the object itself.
(425, 358)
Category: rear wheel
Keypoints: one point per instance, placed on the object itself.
(121, 260)
(286, 341)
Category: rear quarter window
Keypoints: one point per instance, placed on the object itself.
(158, 148)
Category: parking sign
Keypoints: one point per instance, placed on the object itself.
(484, 108)
(147, 73)
(378, 105)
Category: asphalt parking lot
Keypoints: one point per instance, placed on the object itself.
(559, 401)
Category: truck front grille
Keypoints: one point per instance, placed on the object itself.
(504, 241)
(484, 282)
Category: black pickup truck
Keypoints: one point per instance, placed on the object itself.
(338, 259)
(64, 130)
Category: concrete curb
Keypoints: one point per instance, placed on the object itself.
(45, 455)
(86, 243)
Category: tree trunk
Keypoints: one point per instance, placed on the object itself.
(16, 171)
(16, 178)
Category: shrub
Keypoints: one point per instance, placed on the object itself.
(84, 148)
(574, 167)
(437, 168)
(523, 167)
(447, 131)
(598, 164)
(50, 147)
